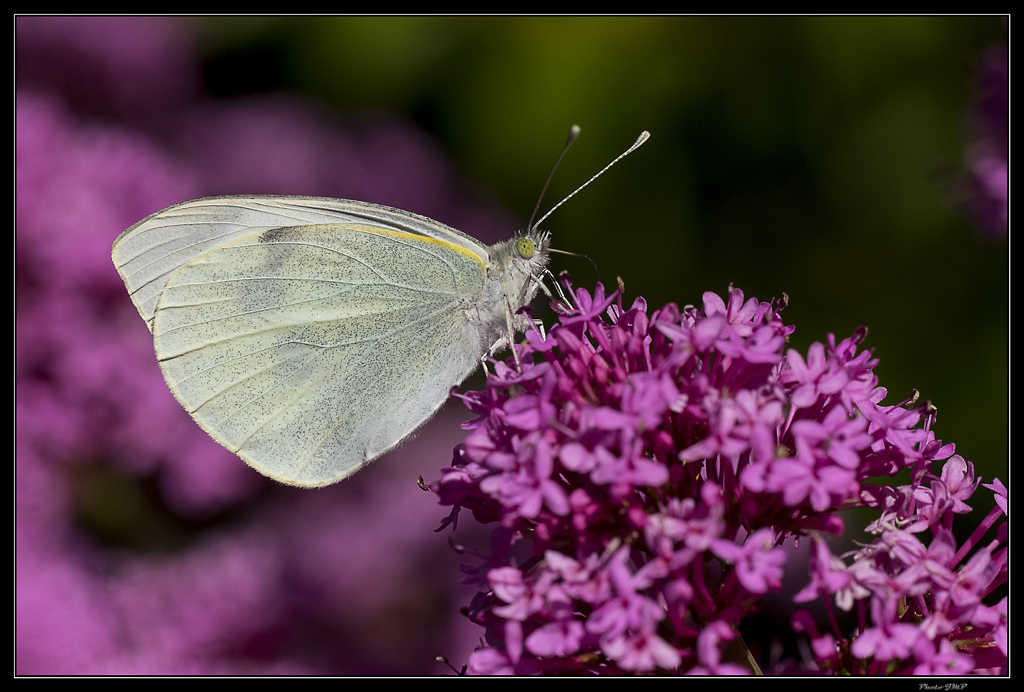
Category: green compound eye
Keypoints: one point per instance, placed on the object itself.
(525, 248)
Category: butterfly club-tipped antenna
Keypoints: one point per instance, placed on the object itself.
(644, 136)
(574, 132)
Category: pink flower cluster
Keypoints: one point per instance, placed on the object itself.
(645, 469)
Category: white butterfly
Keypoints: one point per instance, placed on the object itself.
(312, 335)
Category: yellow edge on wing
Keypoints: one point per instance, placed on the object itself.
(423, 238)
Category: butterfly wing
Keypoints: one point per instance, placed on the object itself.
(148, 253)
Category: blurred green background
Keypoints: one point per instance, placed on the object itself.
(818, 157)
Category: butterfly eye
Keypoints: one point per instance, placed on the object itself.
(525, 248)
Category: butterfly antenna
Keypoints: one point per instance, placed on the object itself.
(574, 132)
(644, 136)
